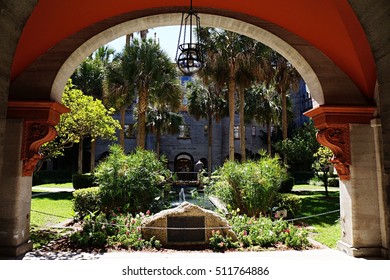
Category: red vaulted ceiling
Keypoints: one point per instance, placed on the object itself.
(329, 25)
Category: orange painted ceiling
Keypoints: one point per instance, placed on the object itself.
(329, 25)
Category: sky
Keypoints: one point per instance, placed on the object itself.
(167, 36)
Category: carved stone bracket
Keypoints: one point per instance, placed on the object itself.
(34, 136)
(333, 125)
(40, 117)
(337, 139)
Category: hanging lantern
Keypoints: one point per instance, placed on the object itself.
(189, 55)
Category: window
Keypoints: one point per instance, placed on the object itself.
(184, 131)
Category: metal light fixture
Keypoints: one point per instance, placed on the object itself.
(190, 60)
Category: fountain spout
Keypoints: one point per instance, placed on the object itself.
(182, 196)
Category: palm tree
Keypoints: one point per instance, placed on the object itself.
(89, 77)
(161, 120)
(148, 68)
(226, 54)
(118, 92)
(264, 106)
(205, 101)
(286, 78)
(164, 103)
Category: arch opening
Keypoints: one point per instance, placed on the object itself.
(216, 21)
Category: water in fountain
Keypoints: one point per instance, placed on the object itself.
(182, 196)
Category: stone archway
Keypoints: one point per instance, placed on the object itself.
(335, 89)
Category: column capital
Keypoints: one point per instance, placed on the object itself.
(39, 117)
(333, 125)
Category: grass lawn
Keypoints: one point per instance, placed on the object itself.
(327, 227)
(68, 185)
(46, 211)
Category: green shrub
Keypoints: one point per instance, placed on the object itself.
(114, 230)
(291, 202)
(251, 186)
(219, 243)
(83, 181)
(264, 232)
(134, 182)
(86, 201)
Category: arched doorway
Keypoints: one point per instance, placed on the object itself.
(337, 66)
(184, 166)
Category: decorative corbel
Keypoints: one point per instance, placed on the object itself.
(333, 125)
(337, 139)
(35, 134)
(40, 117)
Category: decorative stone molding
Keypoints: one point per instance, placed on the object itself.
(39, 117)
(333, 125)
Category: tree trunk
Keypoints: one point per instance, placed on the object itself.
(231, 89)
(269, 147)
(284, 114)
(93, 152)
(142, 107)
(210, 145)
(129, 38)
(284, 119)
(122, 131)
(242, 124)
(80, 157)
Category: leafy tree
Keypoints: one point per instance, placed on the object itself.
(88, 118)
(300, 149)
(322, 165)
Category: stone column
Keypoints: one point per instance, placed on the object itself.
(28, 126)
(360, 214)
(15, 196)
(348, 132)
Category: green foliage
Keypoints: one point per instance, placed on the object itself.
(86, 201)
(219, 243)
(132, 182)
(291, 202)
(87, 118)
(82, 181)
(264, 232)
(322, 165)
(251, 186)
(114, 230)
(300, 148)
